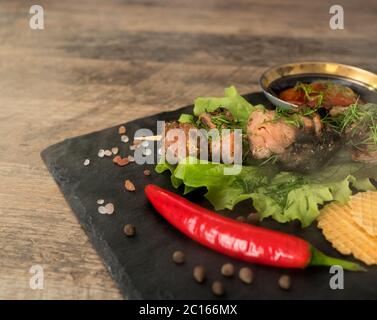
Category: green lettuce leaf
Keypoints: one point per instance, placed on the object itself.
(186, 118)
(163, 166)
(282, 196)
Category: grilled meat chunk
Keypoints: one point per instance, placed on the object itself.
(302, 145)
(309, 152)
(270, 134)
(267, 136)
(361, 132)
(218, 148)
(173, 146)
(206, 120)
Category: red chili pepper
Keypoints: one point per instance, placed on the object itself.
(236, 239)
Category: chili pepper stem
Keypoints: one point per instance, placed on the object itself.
(320, 259)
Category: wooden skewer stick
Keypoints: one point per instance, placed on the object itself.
(149, 138)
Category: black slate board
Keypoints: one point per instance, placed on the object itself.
(142, 265)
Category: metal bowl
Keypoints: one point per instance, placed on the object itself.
(282, 77)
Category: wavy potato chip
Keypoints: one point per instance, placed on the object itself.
(345, 235)
(364, 211)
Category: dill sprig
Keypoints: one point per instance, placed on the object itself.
(270, 160)
(222, 121)
(288, 117)
(333, 122)
(281, 189)
(361, 125)
(353, 114)
(310, 93)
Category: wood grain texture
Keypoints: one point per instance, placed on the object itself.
(98, 63)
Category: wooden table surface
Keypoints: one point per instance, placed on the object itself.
(99, 63)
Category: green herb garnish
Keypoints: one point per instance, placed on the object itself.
(310, 93)
(289, 117)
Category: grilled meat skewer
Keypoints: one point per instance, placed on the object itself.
(297, 142)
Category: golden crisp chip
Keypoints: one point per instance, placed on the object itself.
(345, 234)
(364, 211)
